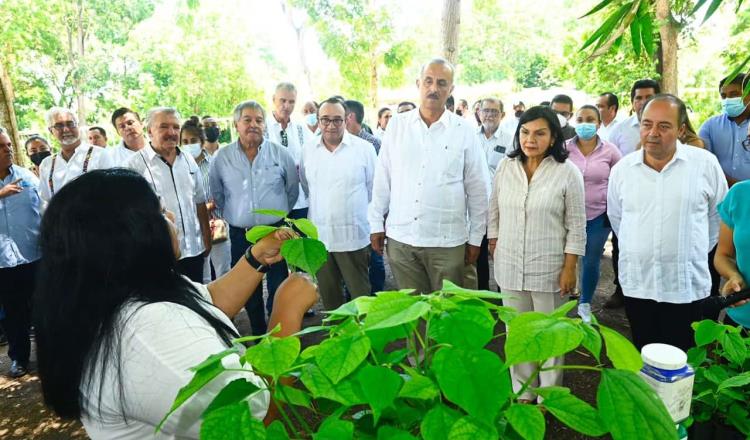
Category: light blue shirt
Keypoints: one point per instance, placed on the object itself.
(723, 137)
(20, 217)
(239, 186)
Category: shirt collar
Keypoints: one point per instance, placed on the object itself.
(346, 140)
(633, 121)
(680, 154)
(480, 130)
(444, 118)
(573, 141)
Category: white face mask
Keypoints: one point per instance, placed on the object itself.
(192, 149)
(562, 119)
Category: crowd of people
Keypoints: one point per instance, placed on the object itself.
(137, 252)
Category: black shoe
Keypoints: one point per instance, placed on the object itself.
(616, 301)
(17, 370)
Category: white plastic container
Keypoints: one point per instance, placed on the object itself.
(665, 368)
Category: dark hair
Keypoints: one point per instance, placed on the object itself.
(557, 150)
(463, 102)
(105, 244)
(563, 99)
(451, 102)
(682, 114)
(545, 103)
(739, 80)
(594, 109)
(193, 125)
(100, 130)
(383, 110)
(357, 108)
(334, 100)
(644, 84)
(206, 117)
(122, 111)
(32, 138)
(413, 106)
(612, 100)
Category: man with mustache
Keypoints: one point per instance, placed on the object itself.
(662, 202)
(431, 182)
(75, 156)
(177, 182)
(254, 173)
(128, 125)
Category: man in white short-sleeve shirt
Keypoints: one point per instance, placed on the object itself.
(128, 125)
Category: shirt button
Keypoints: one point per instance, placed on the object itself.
(415, 218)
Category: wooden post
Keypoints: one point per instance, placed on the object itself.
(668, 32)
(8, 115)
(450, 24)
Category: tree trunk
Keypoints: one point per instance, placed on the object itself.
(8, 115)
(77, 80)
(373, 81)
(668, 31)
(299, 31)
(450, 23)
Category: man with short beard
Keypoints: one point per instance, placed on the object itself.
(128, 125)
(75, 157)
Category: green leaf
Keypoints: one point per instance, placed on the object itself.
(438, 422)
(321, 387)
(603, 4)
(380, 386)
(387, 432)
(380, 338)
(707, 331)
(313, 329)
(419, 387)
(273, 356)
(603, 32)
(697, 6)
(271, 212)
(734, 347)
(258, 232)
(334, 429)
(711, 9)
(696, 356)
(534, 337)
(527, 420)
(276, 431)
(276, 329)
(205, 372)
(236, 391)
(306, 227)
(338, 357)
(391, 309)
(292, 396)
(647, 33)
(467, 326)
(739, 418)
(735, 381)
(635, 35)
(469, 428)
(563, 310)
(232, 421)
(454, 289)
(592, 340)
(620, 351)
(572, 411)
(474, 379)
(307, 254)
(630, 409)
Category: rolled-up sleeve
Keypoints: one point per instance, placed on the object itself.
(575, 214)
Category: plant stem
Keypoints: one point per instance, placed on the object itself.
(571, 367)
(528, 381)
(289, 424)
(295, 413)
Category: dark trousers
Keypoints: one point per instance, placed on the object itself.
(16, 289)
(615, 261)
(298, 213)
(667, 323)
(376, 272)
(715, 281)
(192, 267)
(276, 274)
(483, 265)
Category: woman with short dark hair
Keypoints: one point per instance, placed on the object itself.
(109, 287)
(536, 227)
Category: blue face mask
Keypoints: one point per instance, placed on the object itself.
(193, 149)
(733, 107)
(311, 119)
(586, 130)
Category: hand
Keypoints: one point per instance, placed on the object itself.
(11, 189)
(471, 254)
(735, 283)
(492, 244)
(210, 206)
(377, 240)
(268, 249)
(296, 295)
(567, 280)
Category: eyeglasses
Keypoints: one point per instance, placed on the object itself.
(336, 122)
(566, 115)
(60, 126)
(490, 111)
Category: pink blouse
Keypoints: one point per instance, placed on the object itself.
(595, 169)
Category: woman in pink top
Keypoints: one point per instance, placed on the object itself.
(595, 158)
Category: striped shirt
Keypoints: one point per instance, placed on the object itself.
(536, 223)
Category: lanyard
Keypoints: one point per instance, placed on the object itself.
(52, 170)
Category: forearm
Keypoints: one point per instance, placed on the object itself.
(570, 262)
(231, 291)
(726, 266)
(205, 227)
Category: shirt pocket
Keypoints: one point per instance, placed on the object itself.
(272, 176)
(453, 164)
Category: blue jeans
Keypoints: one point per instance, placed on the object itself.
(275, 276)
(377, 272)
(596, 237)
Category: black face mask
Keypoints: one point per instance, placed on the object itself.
(37, 158)
(519, 113)
(212, 133)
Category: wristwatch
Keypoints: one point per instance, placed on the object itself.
(255, 264)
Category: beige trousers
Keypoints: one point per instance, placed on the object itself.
(351, 268)
(425, 268)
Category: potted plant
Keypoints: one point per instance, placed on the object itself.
(721, 394)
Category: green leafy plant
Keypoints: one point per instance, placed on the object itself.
(721, 358)
(406, 366)
(306, 253)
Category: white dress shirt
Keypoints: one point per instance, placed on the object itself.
(605, 131)
(339, 187)
(297, 136)
(65, 171)
(427, 180)
(626, 135)
(495, 147)
(666, 223)
(180, 189)
(120, 155)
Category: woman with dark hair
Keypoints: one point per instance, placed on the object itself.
(108, 285)
(384, 115)
(595, 158)
(536, 228)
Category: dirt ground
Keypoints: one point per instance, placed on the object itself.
(24, 416)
